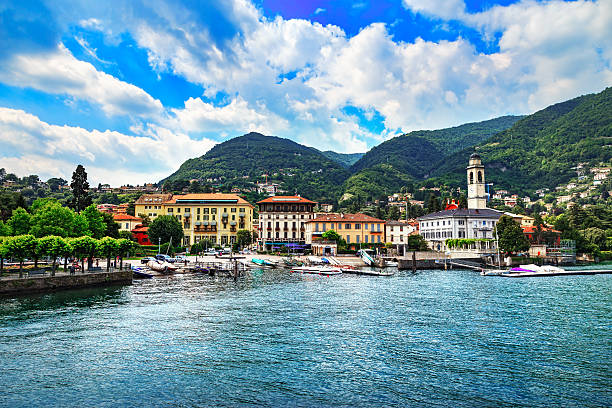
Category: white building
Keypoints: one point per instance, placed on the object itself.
(477, 222)
(397, 233)
(282, 221)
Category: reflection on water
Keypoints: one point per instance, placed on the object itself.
(450, 338)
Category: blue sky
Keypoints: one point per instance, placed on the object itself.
(132, 89)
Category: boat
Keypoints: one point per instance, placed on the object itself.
(319, 270)
(263, 262)
(140, 273)
(368, 272)
(365, 257)
(161, 266)
(292, 262)
(531, 268)
(391, 263)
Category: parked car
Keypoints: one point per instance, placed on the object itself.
(165, 258)
(181, 259)
(147, 259)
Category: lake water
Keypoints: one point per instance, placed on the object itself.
(434, 338)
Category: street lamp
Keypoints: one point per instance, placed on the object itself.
(159, 245)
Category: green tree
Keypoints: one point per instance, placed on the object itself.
(52, 219)
(10, 201)
(53, 246)
(166, 227)
(244, 238)
(20, 248)
(80, 190)
(126, 235)
(5, 230)
(4, 251)
(462, 201)
(511, 237)
(196, 248)
(416, 243)
(124, 248)
(331, 235)
(108, 247)
(80, 226)
(596, 236)
(84, 247)
(95, 221)
(146, 221)
(112, 227)
(394, 213)
(19, 222)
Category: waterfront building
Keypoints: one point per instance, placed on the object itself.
(397, 233)
(126, 222)
(215, 217)
(141, 234)
(475, 223)
(356, 229)
(282, 221)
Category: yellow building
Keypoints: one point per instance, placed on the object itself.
(216, 217)
(354, 228)
(527, 221)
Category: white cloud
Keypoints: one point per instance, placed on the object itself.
(59, 72)
(447, 9)
(199, 116)
(319, 10)
(33, 146)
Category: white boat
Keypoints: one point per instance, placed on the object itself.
(161, 266)
(391, 263)
(319, 270)
(532, 268)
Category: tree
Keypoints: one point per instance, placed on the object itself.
(416, 243)
(394, 213)
(165, 227)
(111, 226)
(107, 247)
(84, 247)
(124, 247)
(10, 201)
(20, 248)
(80, 190)
(54, 183)
(53, 246)
(95, 221)
(331, 235)
(244, 238)
(596, 236)
(19, 222)
(196, 248)
(52, 219)
(3, 252)
(511, 237)
(462, 201)
(126, 235)
(146, 221)
(5, 230)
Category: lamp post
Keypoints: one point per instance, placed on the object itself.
(159, 245)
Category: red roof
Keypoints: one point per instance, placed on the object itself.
(125, 217)
(140, 228)
(345, 218)
(286, 200)
(532, 229)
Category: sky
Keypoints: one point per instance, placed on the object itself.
(131, 89)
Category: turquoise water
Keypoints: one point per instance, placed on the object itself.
(435, 338)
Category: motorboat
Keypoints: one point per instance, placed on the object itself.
(532, 268)
(368, 272)
(319, 270)
(161, 266)
(262, 262)
(140, 273)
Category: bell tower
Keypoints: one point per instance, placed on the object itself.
(477, 197)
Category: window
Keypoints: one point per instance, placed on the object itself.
(187, 210)
(233, 209)
(348, 239)
(178, 210)
(213, 211)
(323, 229)
(365, 239)
(316, 227)
(242, 210)
(379, 239)
(347, 226)
(365, 226)
(357, 226)
(357, 239)
(198, 210)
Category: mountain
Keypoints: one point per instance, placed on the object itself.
(542, 149)
(413, 156)
(345, 159)
(417, 152)
(242, 161)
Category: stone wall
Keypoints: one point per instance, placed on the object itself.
(51, 283)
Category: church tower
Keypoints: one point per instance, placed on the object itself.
(477, 197)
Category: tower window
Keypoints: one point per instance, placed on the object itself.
(471, 178)
(480, 176)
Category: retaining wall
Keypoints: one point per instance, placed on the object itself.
(51, 283)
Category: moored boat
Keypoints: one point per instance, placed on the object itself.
(319, 270)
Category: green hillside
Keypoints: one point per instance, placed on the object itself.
(417, 152)
(345, 159)
(243, 160)
(541, 149)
